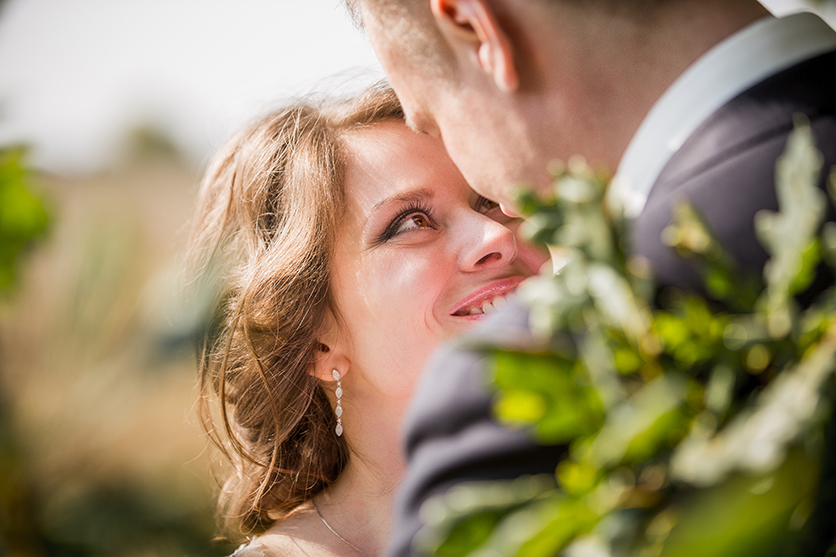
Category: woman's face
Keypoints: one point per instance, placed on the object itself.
(419, 256)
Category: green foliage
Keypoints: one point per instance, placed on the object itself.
(694, 423)
(22, 215)
(551, 393)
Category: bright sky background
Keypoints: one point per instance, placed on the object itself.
(75, 75)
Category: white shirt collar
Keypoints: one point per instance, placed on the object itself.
(751, 55)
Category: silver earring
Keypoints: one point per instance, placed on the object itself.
(339, 409)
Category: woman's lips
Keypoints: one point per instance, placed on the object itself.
(487, 299)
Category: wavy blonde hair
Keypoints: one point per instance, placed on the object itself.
(264, 230)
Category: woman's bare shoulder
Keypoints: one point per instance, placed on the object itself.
(295, 536)
(270, 546)
(252, 549)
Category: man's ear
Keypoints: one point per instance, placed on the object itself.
(472, 24)
(331, 353)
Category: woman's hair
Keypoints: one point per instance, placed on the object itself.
(264, 233)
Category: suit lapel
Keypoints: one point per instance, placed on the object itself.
(753, 117)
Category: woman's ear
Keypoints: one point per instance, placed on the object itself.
(472, 25)
(331, 353)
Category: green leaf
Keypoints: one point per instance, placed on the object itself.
(627, 361)
(789, 234)
(636, 427)
(810, 258)
(693, 237)
(720, 389)
(673, 330)
(521, 406)
(616, 301)
(757, 439)
(828, 243)
(461, 520)
(720, 283)
(470, 533)
(747, 515)
(547, 392)
(567, 519)
(539, 528)
(578, 478)
(22, 216)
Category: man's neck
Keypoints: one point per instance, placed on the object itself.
(625, 65)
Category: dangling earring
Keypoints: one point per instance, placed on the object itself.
(339, 409)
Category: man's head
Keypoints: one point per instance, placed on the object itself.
(511, 84)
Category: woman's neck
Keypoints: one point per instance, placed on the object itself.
(352, 516)
(358, 506)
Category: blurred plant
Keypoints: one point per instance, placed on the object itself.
(22, 219)
(89, 412)
(22, 214)
(694, 424)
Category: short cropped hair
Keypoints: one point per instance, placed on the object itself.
(421, 43)
(413, 29)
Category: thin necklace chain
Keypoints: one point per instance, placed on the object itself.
(325, 522)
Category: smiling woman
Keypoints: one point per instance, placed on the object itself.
(350, 247)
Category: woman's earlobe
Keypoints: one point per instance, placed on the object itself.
(329, 349)
(329, 356)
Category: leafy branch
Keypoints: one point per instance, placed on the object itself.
(694, 423)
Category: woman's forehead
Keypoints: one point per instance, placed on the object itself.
(385, 140)
(389, 159)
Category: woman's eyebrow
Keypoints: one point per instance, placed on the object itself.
(420, 194)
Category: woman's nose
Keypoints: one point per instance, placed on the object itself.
(486, 243)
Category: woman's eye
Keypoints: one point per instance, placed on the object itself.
(414, 217)
(415, 220)
(484, 205)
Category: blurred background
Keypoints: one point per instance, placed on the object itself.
(109, 111)
(117, 106)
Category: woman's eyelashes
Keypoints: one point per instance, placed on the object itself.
(484, 205)
(420, 215)
(413, 216)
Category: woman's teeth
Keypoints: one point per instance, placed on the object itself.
(489, 306)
